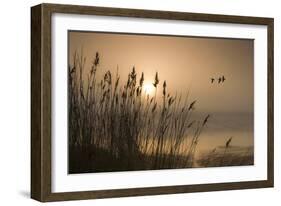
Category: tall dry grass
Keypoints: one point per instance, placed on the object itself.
(116, 126)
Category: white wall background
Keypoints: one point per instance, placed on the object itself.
(15, 102)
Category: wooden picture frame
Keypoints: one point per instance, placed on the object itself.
(41, 97)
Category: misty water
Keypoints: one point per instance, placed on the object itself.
(220, 128)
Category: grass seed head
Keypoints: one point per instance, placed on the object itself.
(164, 88)
(191, 106)
(206, 119)
(141, 79)
(228, 142)
(97, 59)
(156, 80)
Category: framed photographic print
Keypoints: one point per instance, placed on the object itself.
(132, 102)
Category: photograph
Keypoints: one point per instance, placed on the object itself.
(155, 101)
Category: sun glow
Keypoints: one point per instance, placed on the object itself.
(149, 89)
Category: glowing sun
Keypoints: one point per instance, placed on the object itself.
(149, 89)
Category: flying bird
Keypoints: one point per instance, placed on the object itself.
(223, 78)
(220, 79)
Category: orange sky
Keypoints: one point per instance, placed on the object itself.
(184, 62)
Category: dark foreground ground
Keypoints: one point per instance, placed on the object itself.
(93, 160)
